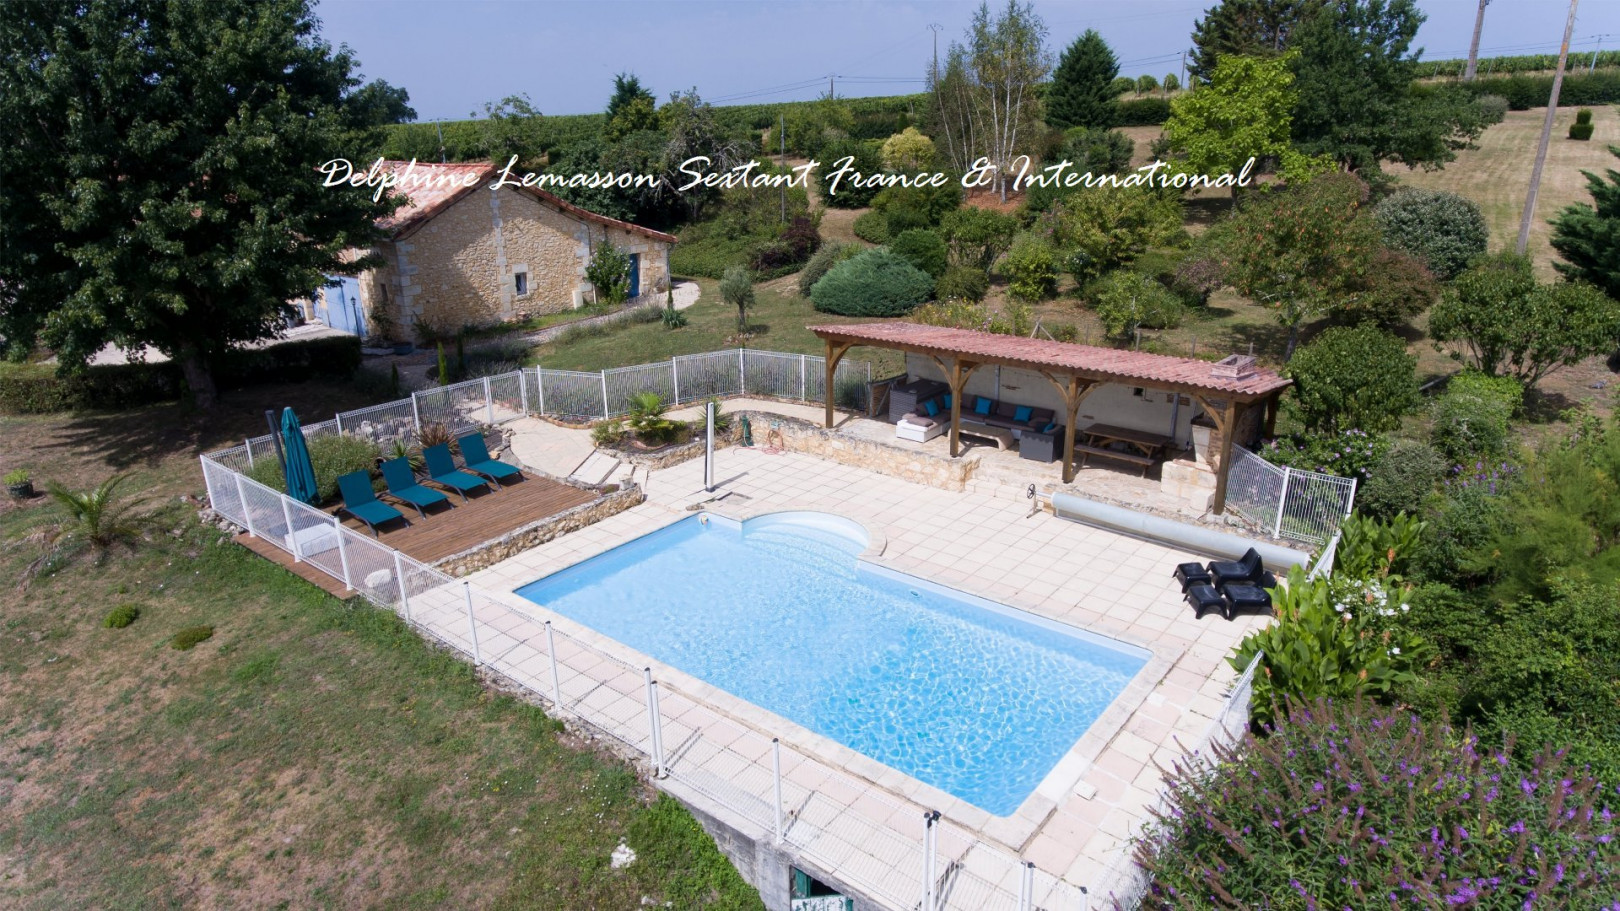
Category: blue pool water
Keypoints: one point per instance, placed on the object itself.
(971, 697)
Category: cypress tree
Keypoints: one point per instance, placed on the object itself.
(1082, 91)
(1588, 237)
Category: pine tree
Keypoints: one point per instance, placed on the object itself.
(1250, 28)
(1082, 92)
(1588, 237)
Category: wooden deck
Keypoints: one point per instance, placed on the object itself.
(304, 571)
(485, 516)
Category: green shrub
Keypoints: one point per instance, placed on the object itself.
(1336, 637)
(1064, 332)
(121, 616)
(646, 418)
(1397, 287)
(1346, 454)
(37, 389)
(1141, 112)
(608, 434)
(953, 313)
(830, 254)
(977, 237)
(1372, 548)
(1126, 300)
(875, 283)
(609, 273)
(1345, 805)
(1472, 419)
(922, 248)
(909, 208)
(1492, 109)
(1584, 115)
(872, 227)
(1402, 480)
(1580, 131)
(1031, 268)
(332, 455)
(187, 638)
(1112, 226)
(1526, 92)
(968, 283)
(1442, 229)
(1353, 377)
(1098, 150)
(1460, 522)
(868, 160)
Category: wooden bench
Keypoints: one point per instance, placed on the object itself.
(1086, 452)
(1003, 438)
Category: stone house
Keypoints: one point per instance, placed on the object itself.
(460, 253)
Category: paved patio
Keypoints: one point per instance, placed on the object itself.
(1083, 576)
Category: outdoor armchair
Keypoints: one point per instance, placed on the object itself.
(359, 501)
(1250, 569)
(402, 486)
(441, 469)
(476, 455)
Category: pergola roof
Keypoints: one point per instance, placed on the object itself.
(1134, 368)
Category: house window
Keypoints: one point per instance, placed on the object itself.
(520, 283)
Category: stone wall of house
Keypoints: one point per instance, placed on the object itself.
(460, 268)
(535, 534)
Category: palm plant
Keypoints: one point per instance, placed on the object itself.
(100, 517)
(647, 419)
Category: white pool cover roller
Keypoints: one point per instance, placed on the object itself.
(1195, 538)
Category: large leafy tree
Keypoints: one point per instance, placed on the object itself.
(1505, 323)
(379, 102)
(1356, 377)
(1588, 236)
(1082, 90)
(1299, 251)
(161, 175)
(1244, 111)
(1250, 28)
(1358, 102)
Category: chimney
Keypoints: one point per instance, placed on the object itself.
(1233, 367)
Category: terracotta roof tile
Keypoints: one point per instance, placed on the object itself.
(1107, 364)
(434, 187)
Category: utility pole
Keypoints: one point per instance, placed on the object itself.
(831, 91)
(1595, 51)
(781, 129)
(1473, 49)
(1184, 70)
(936, 28)
(1546, 134)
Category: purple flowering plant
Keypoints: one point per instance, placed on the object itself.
(1347, 454)
(1348, 805)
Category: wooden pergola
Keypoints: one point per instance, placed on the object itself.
(1075, 371)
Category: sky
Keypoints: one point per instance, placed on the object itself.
(453, 56)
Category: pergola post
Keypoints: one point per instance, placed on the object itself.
(957, 378)
(1226, 421)
(1271, 415)
(1073, 392)
(835, 353)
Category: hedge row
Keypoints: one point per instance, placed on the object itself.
(1526, 92)
(37, 389)
(1142, 112)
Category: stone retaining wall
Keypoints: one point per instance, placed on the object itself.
(537, 533)
(921, 468)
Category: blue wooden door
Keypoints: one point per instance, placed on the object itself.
(339, 305)
(635, 275)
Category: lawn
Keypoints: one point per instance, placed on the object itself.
(312, 753)
(776, 323)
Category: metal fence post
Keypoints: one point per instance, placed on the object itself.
(929, 816)
(605, 412)
(776, 773)
(675, 378)
(540, 388)
(1350, 501)
(803, 389)
(343, 554)
(657, 743)
(742, 373)
(1026, 886)
(339, 419)
(472, 622)
(292, 539)
(551, 653)
(523, 392)
(404, 589)
(1282, 501)
(247, 513)
(489, 403)
(247, 443)
(416, 414)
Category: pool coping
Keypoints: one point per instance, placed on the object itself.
(1014, 831)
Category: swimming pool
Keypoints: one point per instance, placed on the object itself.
(972, 697)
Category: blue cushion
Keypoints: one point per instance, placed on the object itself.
(1049, 428)
(947, 400)
(932, 407)
(982, 405)
(1021, 413)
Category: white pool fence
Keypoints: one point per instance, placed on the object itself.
(1288, 502)
(895, 851)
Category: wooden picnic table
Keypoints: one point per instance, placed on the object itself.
(1150, 444)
